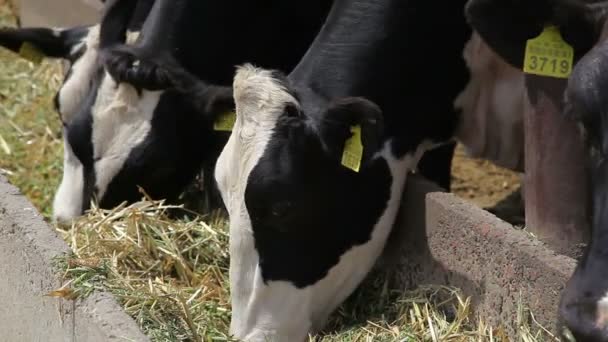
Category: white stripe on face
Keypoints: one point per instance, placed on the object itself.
(78, 85)
(121, 121)
(68, 201)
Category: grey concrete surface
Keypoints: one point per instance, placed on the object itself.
(28, 247)
(469, 248)
(58, 13)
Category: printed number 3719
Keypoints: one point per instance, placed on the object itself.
(548, 64)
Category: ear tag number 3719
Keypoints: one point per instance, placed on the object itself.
(353, 150)
(549, 55)
(31, 53)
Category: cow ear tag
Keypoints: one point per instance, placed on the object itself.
(353, 150)
(549, 55)
(31, 53)
(225, 122)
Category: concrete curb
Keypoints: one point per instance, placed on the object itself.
(27, 248)
(467, 247)
(58, 13)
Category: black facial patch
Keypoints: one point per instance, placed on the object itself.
(171, 155)
(306, 209)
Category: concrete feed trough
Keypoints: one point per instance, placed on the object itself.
(469, 248)
(28, 247)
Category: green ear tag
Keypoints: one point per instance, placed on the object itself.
(549, 55)
(353, 150)
(31, 53)
(225, 122)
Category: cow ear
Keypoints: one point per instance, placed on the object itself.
(346, 119)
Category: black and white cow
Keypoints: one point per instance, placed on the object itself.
(584, 303)
(79, 47)
(305, 230)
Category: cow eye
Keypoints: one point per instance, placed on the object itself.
(292, 111)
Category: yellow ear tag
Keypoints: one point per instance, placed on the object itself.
(353, 150)
(549, 55)
(31, 53)
(225, 122)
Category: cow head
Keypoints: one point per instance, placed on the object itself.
(584, 304)
(304, 230)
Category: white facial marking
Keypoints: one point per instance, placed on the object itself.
(121, 121)
(78, 85)
(278, 311)
(67, 204)
(250, 135)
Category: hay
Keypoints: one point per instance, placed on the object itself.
(171, 275)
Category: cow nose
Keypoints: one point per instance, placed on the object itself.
(63, 221)
(585, 321)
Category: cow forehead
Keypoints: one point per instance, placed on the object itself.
(259, 92)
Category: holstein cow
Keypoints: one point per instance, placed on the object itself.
(304, 229)
(79, 47)
(584, 303)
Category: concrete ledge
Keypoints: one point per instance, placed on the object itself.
(58, 13)
(27, 247)
(469, 248)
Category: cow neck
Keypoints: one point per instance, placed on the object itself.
(353, 49)
(159, 31)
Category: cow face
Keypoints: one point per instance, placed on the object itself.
(584, 304)
(304, 230)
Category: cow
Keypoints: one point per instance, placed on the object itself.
(307, 224)
(583, 306)
(79, 47)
